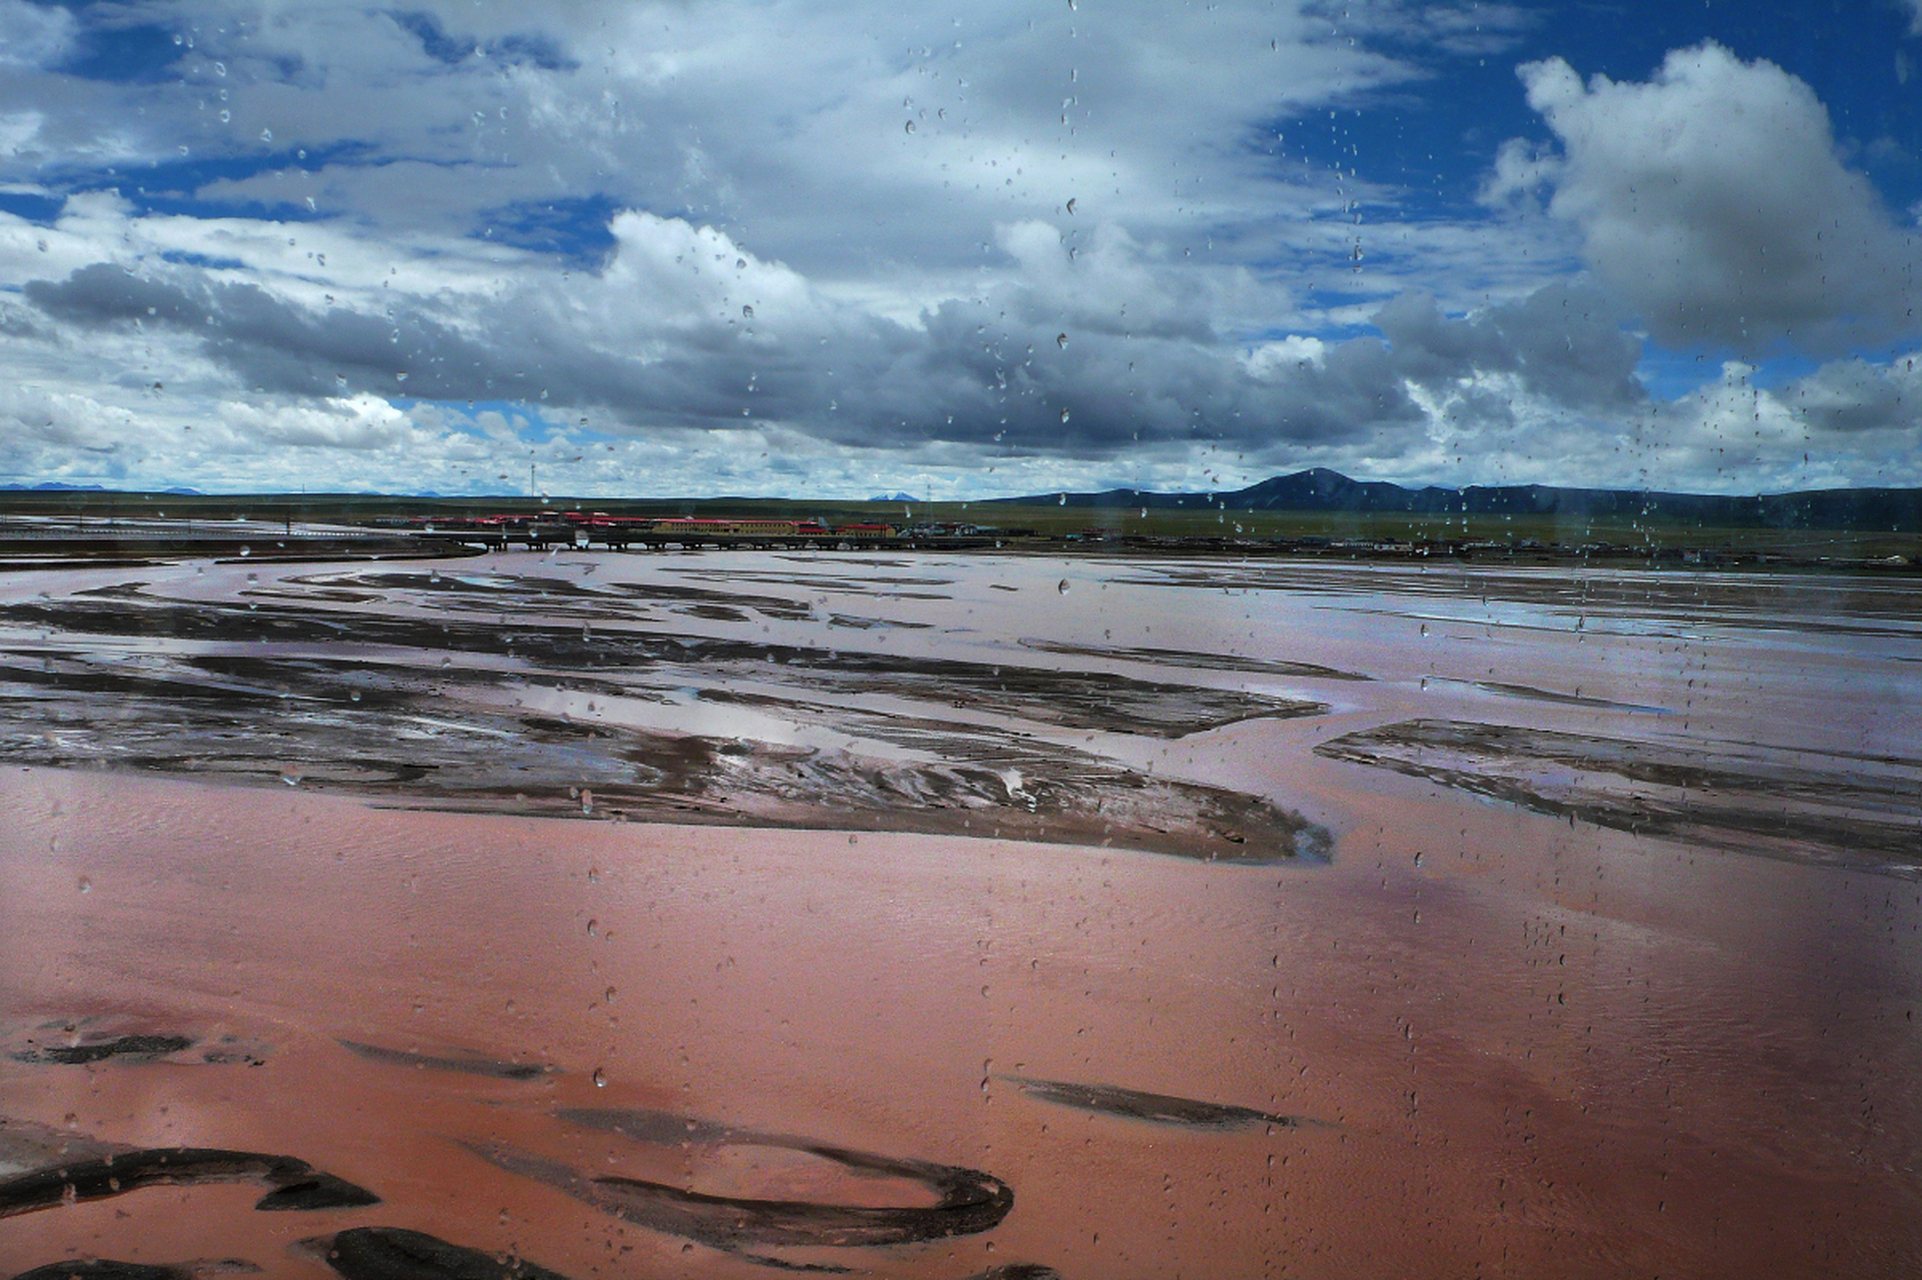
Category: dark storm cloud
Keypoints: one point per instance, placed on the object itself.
(1853, 396)
(1013, 384)
(860, 380)
(273, 344)
(1564, 341)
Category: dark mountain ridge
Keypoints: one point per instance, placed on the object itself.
(1322, 490)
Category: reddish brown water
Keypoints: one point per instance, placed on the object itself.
(1521, 1046)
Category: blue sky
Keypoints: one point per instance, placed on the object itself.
(781, 248)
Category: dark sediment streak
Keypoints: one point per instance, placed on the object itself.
(295, 1183)
(734, 1222)
(131, 1046)
(1205, 662)
(1744, 798)
(103, 1269)
(394, 1253)
(1155, 1108)
(1534, 694)
(468, 1065)
(966, 1200)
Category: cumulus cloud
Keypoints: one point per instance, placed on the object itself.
(1711, 199)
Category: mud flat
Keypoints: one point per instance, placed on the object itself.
(1782, 803)
(627, 916)
(396, 685)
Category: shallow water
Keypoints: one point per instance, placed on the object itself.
(1504, 1028)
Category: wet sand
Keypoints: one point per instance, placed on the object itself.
(1450, 1017)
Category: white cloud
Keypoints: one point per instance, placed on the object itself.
(1521, 175)
(1711, 199)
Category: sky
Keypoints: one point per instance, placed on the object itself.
(727, 247)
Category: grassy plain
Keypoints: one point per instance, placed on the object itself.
(1548, 533)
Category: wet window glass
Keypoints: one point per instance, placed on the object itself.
(1075, 639)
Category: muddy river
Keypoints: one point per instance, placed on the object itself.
(740, 913)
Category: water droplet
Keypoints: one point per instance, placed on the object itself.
(747, 312)
(593, 927)
(1061, 340)
(226, 116)
(1062, 586)
(266, 135)
(1064, 415)
(220, 68)
(910, 127)
(1071, 207)
(246, 551)
(610, 993)
(86, 884)
(599, 1078)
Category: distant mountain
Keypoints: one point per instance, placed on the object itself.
(54, 486)
(893, 497)
(1322, 490)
